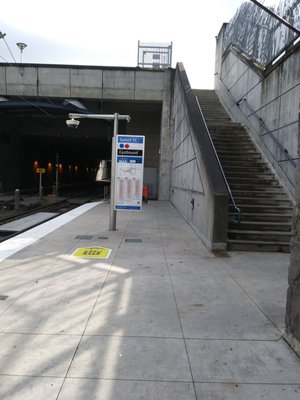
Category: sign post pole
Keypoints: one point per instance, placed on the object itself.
(40, 171)
(40, 186)
(56, 173)
(113, 212)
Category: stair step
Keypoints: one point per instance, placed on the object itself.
(244, 162)
(253, 181)
(225, 135)
(241, 166)
(225, 131)
(260, 194)
(256, 245)
(242, 154)
(261, 226)
(254, 186)
(266, 236)
(229, 139)
(235, 147)
(246, 168)
(263, 217)
(265, 209)
(239, 157)
(240, 201)
(251, 174)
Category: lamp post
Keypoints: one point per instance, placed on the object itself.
(115, 117)
(21, 47)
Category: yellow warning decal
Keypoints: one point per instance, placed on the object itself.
(92, 252)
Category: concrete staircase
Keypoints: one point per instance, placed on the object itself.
(265, 208)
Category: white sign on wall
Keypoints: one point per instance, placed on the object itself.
(129, 172)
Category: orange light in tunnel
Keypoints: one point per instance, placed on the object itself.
(76, 169)
(60, 168)
(35, 164)
(70, 168)
(49, 167)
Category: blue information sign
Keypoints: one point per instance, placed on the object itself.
(129, 172)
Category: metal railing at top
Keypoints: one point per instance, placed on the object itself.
(263, 33)
(235, 207)
(282, 149)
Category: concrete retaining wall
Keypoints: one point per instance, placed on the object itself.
(273, 95)
(197, 189)
(82, 82)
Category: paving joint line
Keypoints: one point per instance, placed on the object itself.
(93, 308)
(175, 300)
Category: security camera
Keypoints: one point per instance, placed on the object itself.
(72, 123)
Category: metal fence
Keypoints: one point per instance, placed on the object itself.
(260, 36)
(154, 55)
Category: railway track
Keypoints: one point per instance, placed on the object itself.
(49, 204)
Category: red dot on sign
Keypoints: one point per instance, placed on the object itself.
(126, 146)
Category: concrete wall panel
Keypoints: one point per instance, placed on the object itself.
(271, 88)
(21, 81)
(254, 96)
(55, 82)
(242, 69)
(253, 79)
(290, 73)
(3, 81)
(86, 83)
(269, 114)
(289, 114)
(238, 88)
(149, 84)
(118, 84)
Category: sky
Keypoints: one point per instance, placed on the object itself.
(106, 32)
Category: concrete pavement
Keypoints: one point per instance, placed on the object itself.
(161, 318)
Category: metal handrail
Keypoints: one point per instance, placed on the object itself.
(268, 132)
(259, 119)
(236, 208)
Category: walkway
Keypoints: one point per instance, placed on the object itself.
(162, 318)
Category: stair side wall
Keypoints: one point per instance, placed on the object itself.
(197, 190)
(273, 96)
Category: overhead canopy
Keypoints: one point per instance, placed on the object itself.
(46, 107)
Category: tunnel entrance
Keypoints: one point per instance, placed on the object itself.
(37, 137)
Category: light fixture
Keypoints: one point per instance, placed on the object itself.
(21, 46)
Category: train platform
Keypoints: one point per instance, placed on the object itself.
(144, 312)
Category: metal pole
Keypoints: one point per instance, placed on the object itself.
(40, 186)
(113, 213)
(56, 173)
(17, 199)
